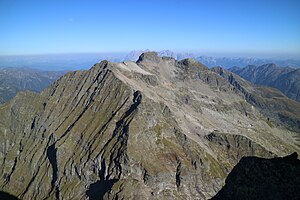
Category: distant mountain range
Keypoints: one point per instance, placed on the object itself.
(56, 62)
(228, 62)
(285, 79)
(134, 55)
(14, 80)
(225, 62)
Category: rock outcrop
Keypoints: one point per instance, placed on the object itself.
(157, 128)
(258, 178)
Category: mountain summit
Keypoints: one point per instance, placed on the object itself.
(157, 128)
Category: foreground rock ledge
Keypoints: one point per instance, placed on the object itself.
(259, 178)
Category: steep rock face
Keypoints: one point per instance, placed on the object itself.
(234, 147)
(144, 130)
(258, 178)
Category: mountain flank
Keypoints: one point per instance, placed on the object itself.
(285, 79)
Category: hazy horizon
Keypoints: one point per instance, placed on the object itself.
(78, 61)
(205, 54)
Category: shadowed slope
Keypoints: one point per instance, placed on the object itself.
(258, 178)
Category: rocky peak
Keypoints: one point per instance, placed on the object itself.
(190, 63)
(150, 56)
(218, 70)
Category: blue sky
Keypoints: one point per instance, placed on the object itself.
(236, 27)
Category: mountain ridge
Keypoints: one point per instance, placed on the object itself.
(93, 128)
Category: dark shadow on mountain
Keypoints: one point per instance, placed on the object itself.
(259, 178)
(98, 189)
(7, 196)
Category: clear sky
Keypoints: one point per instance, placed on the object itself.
(266, 27)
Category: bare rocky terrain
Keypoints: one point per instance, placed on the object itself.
(157, 128)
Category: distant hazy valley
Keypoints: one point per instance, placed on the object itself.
(14, 80)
